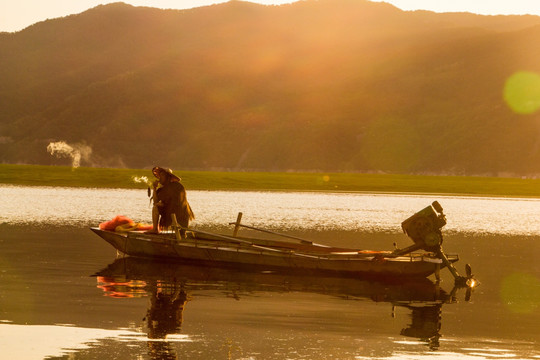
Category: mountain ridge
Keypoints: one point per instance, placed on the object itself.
(344, 85)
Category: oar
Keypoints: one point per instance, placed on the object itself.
(224, 237)
(237, 225)
(303, 241)
(288, 252)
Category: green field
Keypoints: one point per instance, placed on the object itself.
(34, 175)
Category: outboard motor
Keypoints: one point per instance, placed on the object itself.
(424, 227)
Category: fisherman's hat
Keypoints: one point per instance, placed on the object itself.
(156, 170)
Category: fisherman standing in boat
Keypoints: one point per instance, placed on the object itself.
(170, 198)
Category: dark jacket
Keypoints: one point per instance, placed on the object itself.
(173, 197)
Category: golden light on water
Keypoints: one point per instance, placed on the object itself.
(522, 92)
(521, 293)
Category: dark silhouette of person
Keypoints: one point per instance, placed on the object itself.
(170, 198)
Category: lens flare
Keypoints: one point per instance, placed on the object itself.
(522, 92)
(521, 292)
(472, 283)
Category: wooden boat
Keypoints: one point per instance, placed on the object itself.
(207, 248)
(204, 248)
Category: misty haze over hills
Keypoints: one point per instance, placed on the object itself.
(329, 85)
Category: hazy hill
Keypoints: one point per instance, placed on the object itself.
(333, 85)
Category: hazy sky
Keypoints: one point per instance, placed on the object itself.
(15, 15)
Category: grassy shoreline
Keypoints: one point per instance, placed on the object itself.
(63, 176)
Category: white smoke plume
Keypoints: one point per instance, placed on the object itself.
(75, 152)
(141, 179)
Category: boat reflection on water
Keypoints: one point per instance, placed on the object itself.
(167, 298)
(169, 287)
(164, 317)
(426, 323)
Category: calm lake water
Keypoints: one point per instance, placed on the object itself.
(65, 295)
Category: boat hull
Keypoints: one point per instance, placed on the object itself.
(266, 254)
